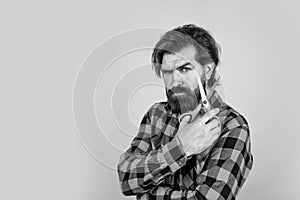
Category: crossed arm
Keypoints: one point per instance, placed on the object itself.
(142, 169)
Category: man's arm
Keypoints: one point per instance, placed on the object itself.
(227, 169)
(141, 167)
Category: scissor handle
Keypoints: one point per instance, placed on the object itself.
(204, 102)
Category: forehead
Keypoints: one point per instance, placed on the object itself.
(171, 61)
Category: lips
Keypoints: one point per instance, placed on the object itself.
(179, 93)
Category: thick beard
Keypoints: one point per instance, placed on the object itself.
(182, 103)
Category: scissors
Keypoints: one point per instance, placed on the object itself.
(204, 102)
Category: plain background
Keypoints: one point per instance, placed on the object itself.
(43, 44)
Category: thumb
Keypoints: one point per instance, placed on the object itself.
(185, 119)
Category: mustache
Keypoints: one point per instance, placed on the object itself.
(173, 91)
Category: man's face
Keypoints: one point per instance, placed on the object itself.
(179, 73)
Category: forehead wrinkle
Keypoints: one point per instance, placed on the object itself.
(174, 62)
(176, 59)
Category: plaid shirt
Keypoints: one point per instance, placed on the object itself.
(156, 167)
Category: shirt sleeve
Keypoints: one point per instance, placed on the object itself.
(142, 167)
(228, 166)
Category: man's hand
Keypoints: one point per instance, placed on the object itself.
(200, 134)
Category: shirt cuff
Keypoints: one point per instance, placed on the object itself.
(174, 155)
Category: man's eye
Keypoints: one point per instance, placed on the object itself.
(184, 69)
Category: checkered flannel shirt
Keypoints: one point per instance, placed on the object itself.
(156, 167)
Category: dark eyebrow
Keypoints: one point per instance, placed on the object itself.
(181, 66)
(185, 64)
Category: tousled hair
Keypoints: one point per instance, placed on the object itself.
(207, 49)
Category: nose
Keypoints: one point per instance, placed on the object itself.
(177, 79)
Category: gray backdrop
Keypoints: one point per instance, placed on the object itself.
(47, 150)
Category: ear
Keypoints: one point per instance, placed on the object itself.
(208, 70)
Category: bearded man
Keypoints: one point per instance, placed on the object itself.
(194, 145)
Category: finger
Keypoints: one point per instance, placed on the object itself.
(215, 136)
(215, 131)
(207, 116)
(213, 124)
(215, 128)
(206, 129)
(214, 139)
